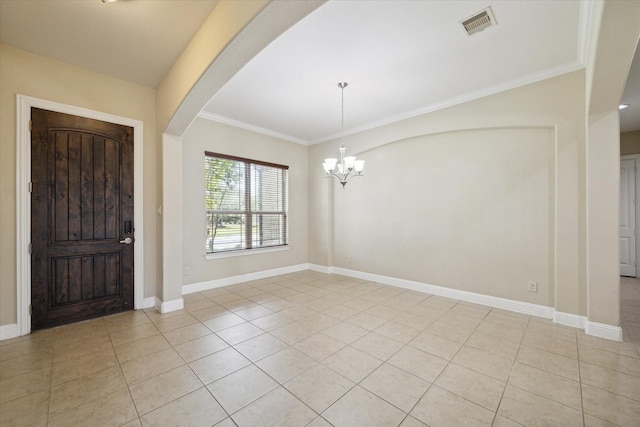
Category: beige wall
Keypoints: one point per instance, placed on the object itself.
(482, 197)
(603, 226)
(205, 135)
(630, 143)
(36, 76)
(607, 70)
(469, 209)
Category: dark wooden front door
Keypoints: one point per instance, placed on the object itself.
(81, 211)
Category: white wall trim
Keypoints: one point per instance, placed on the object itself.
(497, 302)
(23, 202)
(584, 30)
(503, 87)
(8, 331)
(241, 278)
(472, 96)
(321, 268)
(561, 318)
(568, 319)
(149, 302)
(169, 306)
(250, 127)
(603, 331)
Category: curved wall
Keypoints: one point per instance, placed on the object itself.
(470, 210)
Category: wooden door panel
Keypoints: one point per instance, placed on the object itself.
(82, 177)
(85, 199)
(84, 278)
(87, 186)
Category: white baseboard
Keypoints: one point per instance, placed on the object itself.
(8, 331)
(148, 302)
(568, 319)
(591, 328)
(169, 306)
(241, 278)
(320, 268)
(497, 302)
(603, 330)
(561, 318)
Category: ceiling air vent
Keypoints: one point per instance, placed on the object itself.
(479, 22)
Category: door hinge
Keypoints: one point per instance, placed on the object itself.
(30, 187)
(30, 248)
(30, 310)
(30, 125)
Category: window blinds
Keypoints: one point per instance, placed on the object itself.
(246, 203)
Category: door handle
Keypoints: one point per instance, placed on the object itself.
(127, 241)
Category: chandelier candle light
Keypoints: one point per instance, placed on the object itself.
(349, 166)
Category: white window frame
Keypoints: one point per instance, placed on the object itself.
(248, 212)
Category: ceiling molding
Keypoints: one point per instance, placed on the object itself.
(502, 87)
(252, 128)
(584, 29)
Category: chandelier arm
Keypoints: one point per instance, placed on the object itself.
(342, 180)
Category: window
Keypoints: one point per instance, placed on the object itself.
(246, 203)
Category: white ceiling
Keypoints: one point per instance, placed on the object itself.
(400, 58)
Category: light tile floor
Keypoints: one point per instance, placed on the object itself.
(310, 349)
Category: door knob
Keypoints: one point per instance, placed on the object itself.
(127, 241)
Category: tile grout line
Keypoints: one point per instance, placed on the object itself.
(580, 382)
(120, 363)
(356, 291)
(510, 370)
(53, 355)
(432, 383)
(179, 397)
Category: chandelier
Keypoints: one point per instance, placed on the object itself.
(348, 166)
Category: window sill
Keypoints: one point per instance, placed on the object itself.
(231, 254)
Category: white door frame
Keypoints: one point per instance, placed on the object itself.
(23, 199)
(636, 158)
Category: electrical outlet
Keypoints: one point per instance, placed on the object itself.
(533, 287)
(187, 271)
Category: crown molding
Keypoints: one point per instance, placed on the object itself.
(250, 127)
(471, 96)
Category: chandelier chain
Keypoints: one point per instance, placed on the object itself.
(342, 86)
(348, 166)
